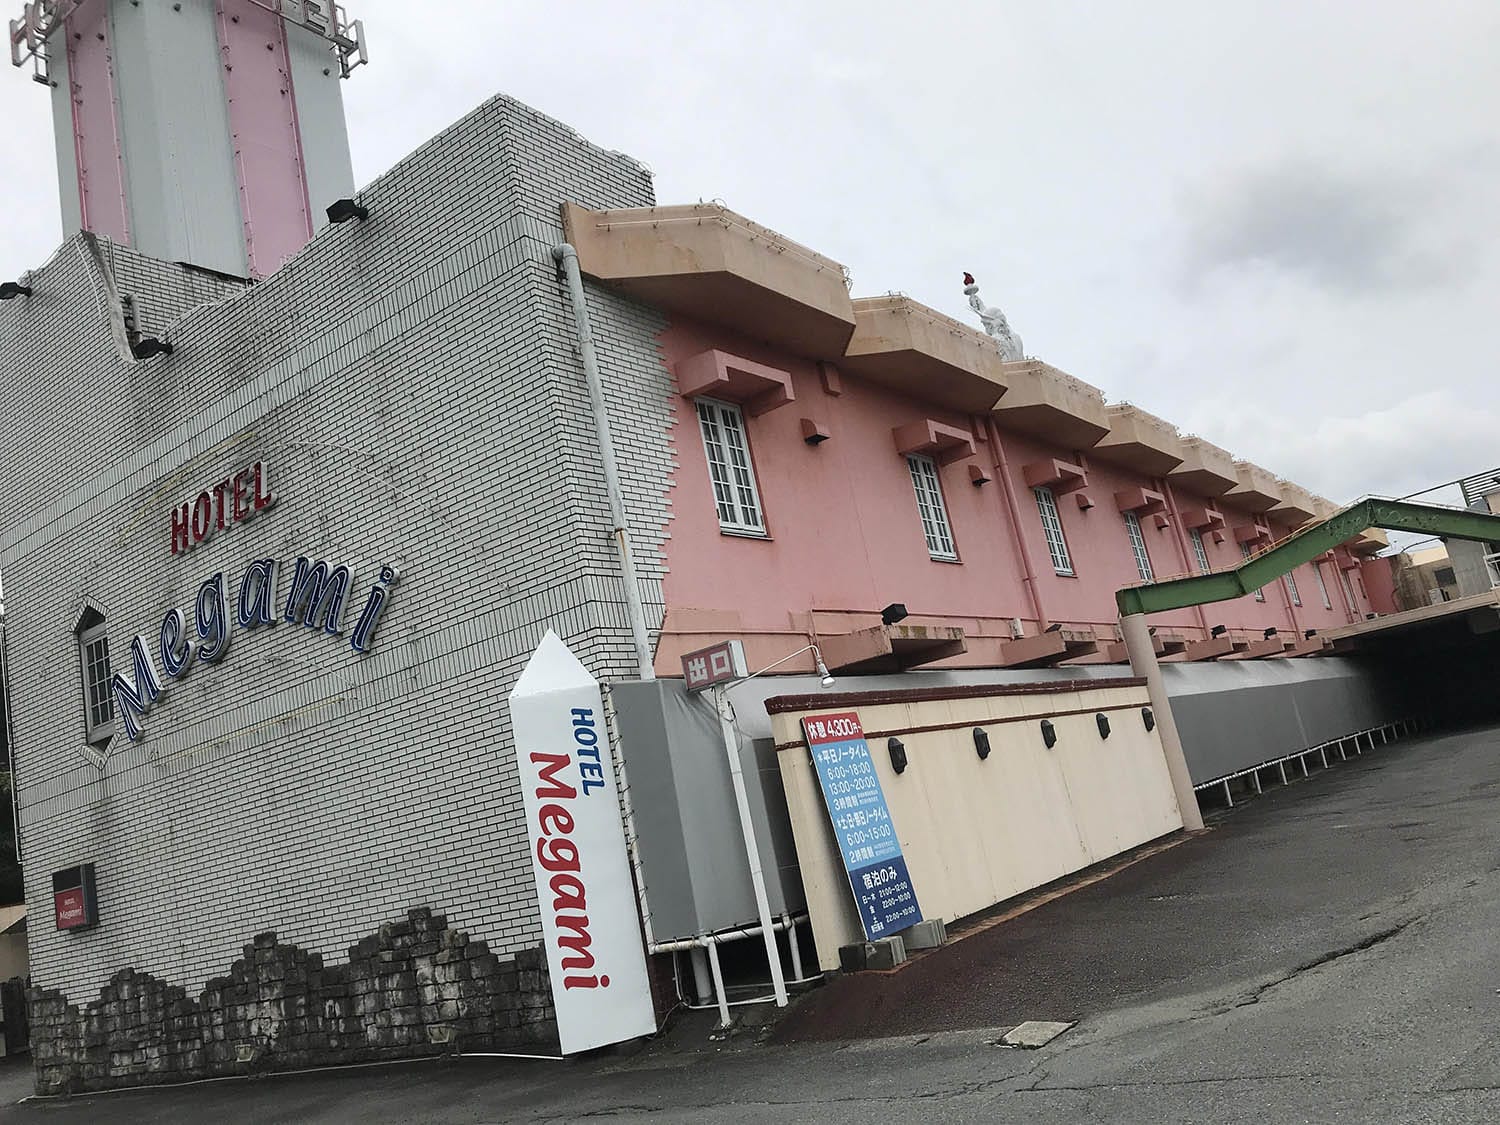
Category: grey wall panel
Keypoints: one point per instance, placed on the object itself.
(320, 122)
(692, 850)
(174, 126)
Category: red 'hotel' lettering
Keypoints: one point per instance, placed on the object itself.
(233, 500)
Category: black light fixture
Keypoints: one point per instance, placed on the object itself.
(1218, 631)
(1103, 720)
(1148, 718)
(10, 290)
(1054, 627)
(1151, 632)
(898, 755)
(893, 613)
(1271, 632)
(1049, 733)
(342, 210)
(981, 743)
(147, 347)
(1309, 634)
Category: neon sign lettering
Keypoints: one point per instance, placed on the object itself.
(316, 600)
(233, 500)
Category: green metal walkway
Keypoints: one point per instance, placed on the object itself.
(1304, 546)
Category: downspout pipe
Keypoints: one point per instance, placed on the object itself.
(1189, 559)
(1008, 486)
(10, 730)
(567, 260)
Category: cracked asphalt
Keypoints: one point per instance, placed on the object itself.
(1327, 953)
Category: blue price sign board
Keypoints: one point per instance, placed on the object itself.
(862, 824)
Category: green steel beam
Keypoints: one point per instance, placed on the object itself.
(1305, 545)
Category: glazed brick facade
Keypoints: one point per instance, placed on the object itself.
(413, 381)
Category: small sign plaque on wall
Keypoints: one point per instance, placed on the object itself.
(74, 903)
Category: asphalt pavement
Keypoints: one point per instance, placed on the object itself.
(1327, 953)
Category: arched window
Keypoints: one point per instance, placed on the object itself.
(93, 662)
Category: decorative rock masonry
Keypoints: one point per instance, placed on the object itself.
(414, 988)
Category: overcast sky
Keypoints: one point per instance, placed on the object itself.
(1275, 224)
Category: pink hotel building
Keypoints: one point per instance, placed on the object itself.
(834, 455)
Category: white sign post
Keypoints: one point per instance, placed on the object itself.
(589, 922)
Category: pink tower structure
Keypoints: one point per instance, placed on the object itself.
(202, 131)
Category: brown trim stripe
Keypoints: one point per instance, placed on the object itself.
(981, 723)
(780, 704)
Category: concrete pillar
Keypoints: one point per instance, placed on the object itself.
(1143, 663)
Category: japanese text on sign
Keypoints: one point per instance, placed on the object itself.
(862, 824)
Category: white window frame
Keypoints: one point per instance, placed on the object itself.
(1349, 589)
(1199, 550)
(1245, 553)
(1322, 585)
(1291, 586)
(731, 472)
(936, 528)
(1138, 547)
(1052, 531)
(94, 672)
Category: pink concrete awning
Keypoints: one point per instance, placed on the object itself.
(1204, 519)
(944, 444)
(1049, 472)
(1141, 501)
(755, 386)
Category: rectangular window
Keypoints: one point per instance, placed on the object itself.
(1057, 545)
(735, 494)
(1199, 549)
(924, 479)
(1322, 585)
(1245, 553)
(1291, 586)
(98, 701)
(1138, 547)
(1349, 589)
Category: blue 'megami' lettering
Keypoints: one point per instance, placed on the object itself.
(318, 589)
(213, 619)
(173, 646)
(134, 694)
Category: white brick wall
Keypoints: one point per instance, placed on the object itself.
(414, 382)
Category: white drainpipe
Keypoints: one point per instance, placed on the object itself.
(567, 259)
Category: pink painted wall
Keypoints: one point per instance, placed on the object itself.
(96, 132)
(844, 535)
(841, 516)
(267, 142)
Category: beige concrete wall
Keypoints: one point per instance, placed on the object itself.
(974, 832)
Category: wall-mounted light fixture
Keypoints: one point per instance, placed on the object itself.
(1148, 718)
(1271, 632)
(981, 743)
(147, 347)
(1103, 720)
(978, 476)
(898, 755)
(342, 210)
(1218, 631)
(893, 613)
(1309, 634)
(10, 290)
(1049, 733)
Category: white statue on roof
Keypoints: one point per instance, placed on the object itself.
(994, 322)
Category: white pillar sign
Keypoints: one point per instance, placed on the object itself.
(589, 921)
